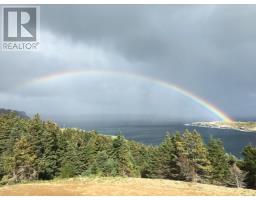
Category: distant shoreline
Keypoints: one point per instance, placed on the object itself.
(248, 127)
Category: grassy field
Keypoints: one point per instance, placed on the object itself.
(119, 186)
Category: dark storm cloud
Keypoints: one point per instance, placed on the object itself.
(189, 45)
(141, 32)
(208, 49)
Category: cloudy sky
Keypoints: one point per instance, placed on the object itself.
(208, 50)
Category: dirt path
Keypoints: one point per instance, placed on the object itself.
(119, 186)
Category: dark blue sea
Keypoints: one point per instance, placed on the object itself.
(234, 141)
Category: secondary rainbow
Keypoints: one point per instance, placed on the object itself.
(210, 107)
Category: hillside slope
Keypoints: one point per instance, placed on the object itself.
(119, 186)
(21, 114)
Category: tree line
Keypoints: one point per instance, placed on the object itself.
(32, 149)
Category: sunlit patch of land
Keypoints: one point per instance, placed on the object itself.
(119, 186)
(240, 126)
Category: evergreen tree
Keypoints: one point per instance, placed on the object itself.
(140, 154)
(67, 170)
(193, 157)
(24, 162)
(249, 165)
(122, 155)
(152, 166)
(79, 151)
(103, 165)
(219, 161)
(32, 149)
(184, 166)
(36, 131)
(11, 128)
(62, 144)
(102, 142)
(165, 159)
(71, 163)
(48, 166)
(89, 152)
(166, 151)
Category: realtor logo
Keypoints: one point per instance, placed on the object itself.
(20, 28)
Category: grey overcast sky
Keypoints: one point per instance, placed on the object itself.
(209, 50)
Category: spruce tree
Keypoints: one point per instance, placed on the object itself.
(184, 166)
(193, 157)
(219, 161)
(48, 166)
(25, 160)
(11, 129)
(152, 167)
(140, 155)
(89, 152)
(249, 165)
(36, 131)
(103, 165)
(122, 155)
(165, 158)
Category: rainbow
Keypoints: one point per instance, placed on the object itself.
(202, 102)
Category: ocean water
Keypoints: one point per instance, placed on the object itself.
(234, 141)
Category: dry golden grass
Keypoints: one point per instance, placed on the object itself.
(119, 186)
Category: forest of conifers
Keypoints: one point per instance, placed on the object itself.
(32, 149)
